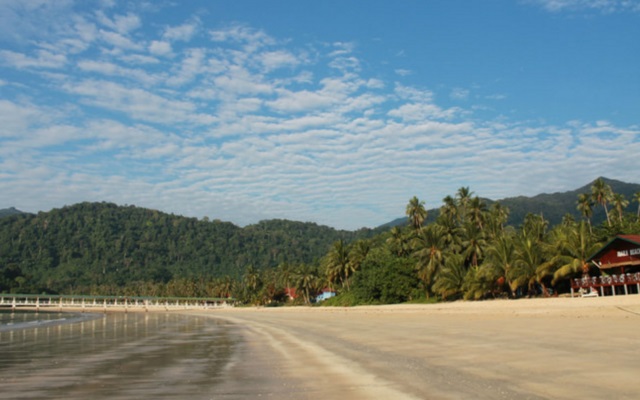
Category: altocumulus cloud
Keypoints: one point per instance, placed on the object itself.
(231, 122)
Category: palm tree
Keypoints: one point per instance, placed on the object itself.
(398, 242)
(497, 218)
(473, 243)
(337, 263)
(477, 211)
(451, 277)
(585, 206)
(527, 267)
(619, 203)
(572, 246)
(306, 281)
(636, 198)
(449, 209)
(502, 257)
(358, 253)
(285, 274)
(416, 213)
(464, 197)
(429, 247)
(602, 194)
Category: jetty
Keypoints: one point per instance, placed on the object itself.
(110, 303)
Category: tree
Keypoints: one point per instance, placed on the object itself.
(636, 198)
(501, 255)
(416, 213)
(477, 211)
(619, 203)
(336, 264)
(571, 247)
(473, 243)
(306, 281)
(429, 247)
(602, 194)
(585, 206)
(398, 242)
(451, 277)
(449, 209)
(463, 196)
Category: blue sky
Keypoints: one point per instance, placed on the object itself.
(335, 112)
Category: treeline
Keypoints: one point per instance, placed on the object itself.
(468, 252)
(101, 247)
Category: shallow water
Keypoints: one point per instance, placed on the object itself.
(116, 356)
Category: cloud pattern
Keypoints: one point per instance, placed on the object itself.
(230, 122)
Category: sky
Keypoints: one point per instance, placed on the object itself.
(335, 112)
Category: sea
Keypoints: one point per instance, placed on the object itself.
(52, 355)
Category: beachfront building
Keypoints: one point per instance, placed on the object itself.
(326, 294)
(618, 263)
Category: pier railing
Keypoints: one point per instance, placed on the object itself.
(608, 284)
(105, 303)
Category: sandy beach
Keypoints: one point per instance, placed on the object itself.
(558, 348)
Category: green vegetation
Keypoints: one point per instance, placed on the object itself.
(468, 251)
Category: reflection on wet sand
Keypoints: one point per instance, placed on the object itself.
(117, 356)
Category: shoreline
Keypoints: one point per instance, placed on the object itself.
(531, 348)
(560, 348)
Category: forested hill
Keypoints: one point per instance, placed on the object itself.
(105, 244)
(7, 212)
(552, 206)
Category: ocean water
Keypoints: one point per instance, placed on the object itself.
(113, 356)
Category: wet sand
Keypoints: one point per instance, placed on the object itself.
(528, 349)
(557, 348)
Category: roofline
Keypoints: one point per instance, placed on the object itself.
(621, 237)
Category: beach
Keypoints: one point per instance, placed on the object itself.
(556, 348)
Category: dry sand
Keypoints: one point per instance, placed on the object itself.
(559, 348)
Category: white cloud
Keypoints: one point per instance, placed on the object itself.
(605, 6)
(182, 32)
(160, 48)
(122, 24)
(459, 94)
(107, 68)
(118, 40)
(43, 59)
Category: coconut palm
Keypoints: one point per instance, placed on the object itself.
(496, 219)
(398, 242)
(306, 279)
(358, 253)
(429, 247)
(501, 255)
(473, 243)
(336, 264)
(449, 209)
(585, 206)
(619, 203)
(463, 196)
(416, 213)
(571, 246)
(450, 279)
(602, 194)
(477, 211)
(528, 267)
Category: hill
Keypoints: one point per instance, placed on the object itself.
(88, 244)
(553, 206)
(7, 212)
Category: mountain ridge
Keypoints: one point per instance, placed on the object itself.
(553, 206)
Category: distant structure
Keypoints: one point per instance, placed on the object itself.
(619, 265)
(326, 294)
